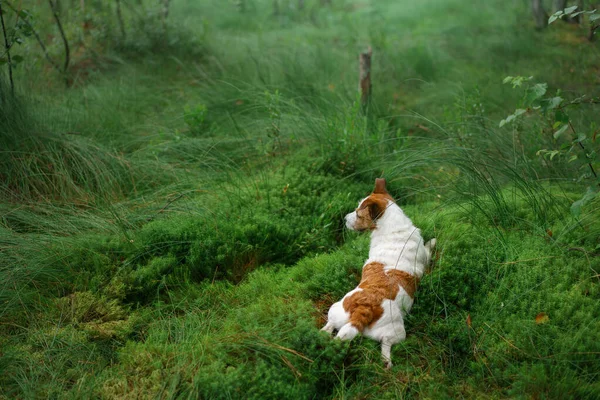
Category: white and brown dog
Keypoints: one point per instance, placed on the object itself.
(397, 261)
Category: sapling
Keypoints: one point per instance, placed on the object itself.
(7, 46)
(553, 109)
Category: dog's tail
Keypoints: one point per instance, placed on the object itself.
(430, 246)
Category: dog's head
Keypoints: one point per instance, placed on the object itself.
(370, 209)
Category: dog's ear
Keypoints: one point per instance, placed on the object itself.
(380, 186)
(376, 207)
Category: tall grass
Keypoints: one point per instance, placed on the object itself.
(172, 225)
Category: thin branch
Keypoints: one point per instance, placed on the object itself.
(583, 148)
(39, 40)
(62, 34)
(7, 46)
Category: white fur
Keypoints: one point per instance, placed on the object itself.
(397, 244)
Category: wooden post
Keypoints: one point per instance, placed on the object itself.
(364, 83)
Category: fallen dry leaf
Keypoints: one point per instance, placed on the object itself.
(541, 318)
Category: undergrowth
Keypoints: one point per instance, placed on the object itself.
(171, 224)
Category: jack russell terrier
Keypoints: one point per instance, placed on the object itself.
(396, 263)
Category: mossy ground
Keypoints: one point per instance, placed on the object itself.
(171, 225)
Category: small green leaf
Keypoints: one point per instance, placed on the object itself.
(587, 197)
(24, 14)
(555, 16)
(594, 17)
(566, 146)
(539, 89)
(570, 10)
(519, 111)
(3, 60)
(535, 92)
(551, 103)
(573, 158)
(555, 102)
(516, 81)
(17, 59)
(561, 116)
(512, 117)
(560, 131)
(582, 12)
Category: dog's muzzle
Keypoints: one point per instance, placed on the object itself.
(351, 220)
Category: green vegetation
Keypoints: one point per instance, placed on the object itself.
(171, 203)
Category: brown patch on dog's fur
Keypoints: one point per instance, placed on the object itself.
(377, 285)
(370, 210)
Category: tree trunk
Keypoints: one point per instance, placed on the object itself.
(539, 14)
(580, 7)
(559, 5)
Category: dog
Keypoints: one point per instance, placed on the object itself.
(397, 261)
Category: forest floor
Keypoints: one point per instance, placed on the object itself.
(171, 224)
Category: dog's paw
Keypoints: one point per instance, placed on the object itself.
(328, 328)
(347, 332)
(388, 364)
